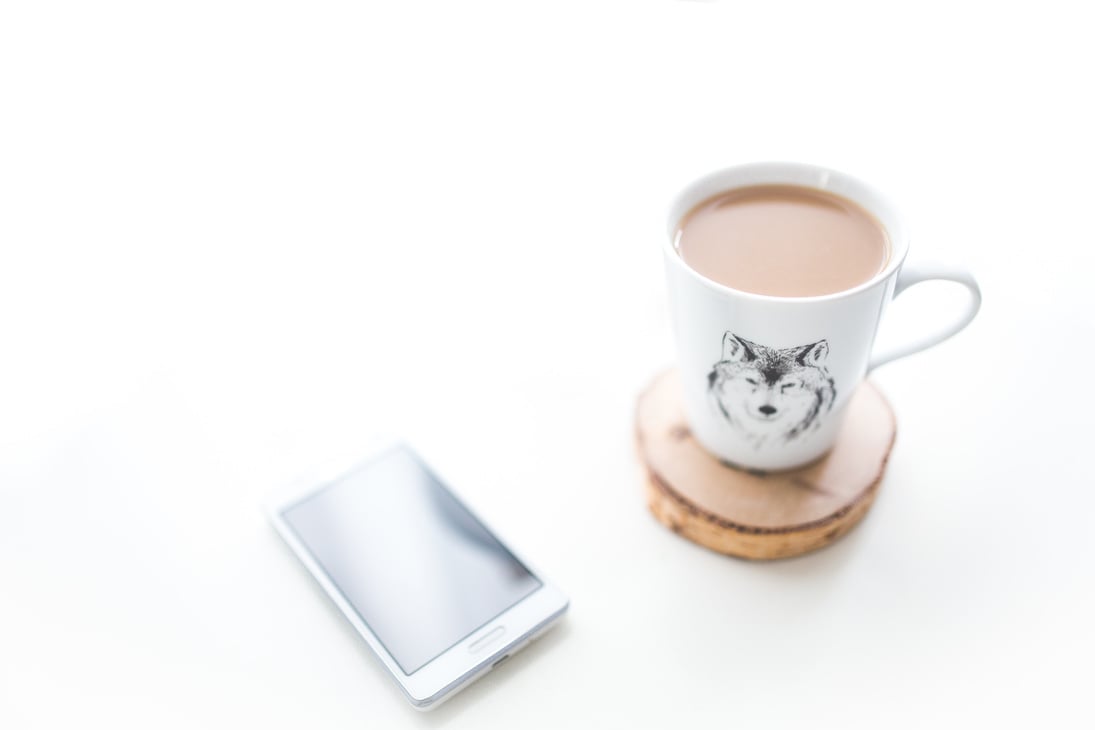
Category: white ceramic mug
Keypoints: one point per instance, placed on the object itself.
(824, 343)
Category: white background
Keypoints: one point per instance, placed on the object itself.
(237, 238)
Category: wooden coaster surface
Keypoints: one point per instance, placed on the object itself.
(760, 516)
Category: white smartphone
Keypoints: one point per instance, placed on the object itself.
(434, 593)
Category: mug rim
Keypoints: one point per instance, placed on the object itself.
(790, 173)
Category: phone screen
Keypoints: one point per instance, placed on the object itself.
(416, 566)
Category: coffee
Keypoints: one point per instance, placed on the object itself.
(783, 240)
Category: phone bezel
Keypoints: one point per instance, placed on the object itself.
(457, 666)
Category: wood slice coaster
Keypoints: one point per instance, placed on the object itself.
(752, 514)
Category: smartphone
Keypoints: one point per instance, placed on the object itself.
(432, 591)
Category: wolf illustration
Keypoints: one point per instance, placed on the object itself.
(768, 393)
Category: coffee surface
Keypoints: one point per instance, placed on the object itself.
(783, 240)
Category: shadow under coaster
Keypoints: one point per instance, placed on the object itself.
(753, 514)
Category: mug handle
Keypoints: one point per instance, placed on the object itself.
(916, 274)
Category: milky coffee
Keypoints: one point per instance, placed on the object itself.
(783, 240)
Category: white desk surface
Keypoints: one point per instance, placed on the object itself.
(239, 238)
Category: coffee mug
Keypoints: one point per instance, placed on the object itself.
(807, 354)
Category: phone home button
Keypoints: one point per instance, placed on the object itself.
(487, 638)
